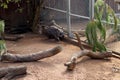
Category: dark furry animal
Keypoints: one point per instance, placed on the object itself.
(53, 33)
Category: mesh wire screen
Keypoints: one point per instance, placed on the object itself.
(115, 46)
(113, 5)
(59, 17)
(78, 23)
(79, 7)
(58, 4)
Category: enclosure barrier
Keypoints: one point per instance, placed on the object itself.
(69, 14)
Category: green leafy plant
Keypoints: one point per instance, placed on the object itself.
(4, 3)
(96, 29)
(2, 42)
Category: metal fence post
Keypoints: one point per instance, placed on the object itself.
(91, 9)
(69, 18)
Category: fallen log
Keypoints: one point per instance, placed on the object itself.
(12, 38)
(10, 72)
(31, 57)
(94, 55)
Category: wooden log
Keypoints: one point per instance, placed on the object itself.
(31, 57)
(72, 62)
(95, 55)
(81, 32)
(58, 26)
(9, 72)
(13, 38)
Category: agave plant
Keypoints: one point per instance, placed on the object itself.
(96, 28)
(2, 42)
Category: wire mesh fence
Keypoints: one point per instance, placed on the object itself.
(73, 14)
(113, 5)
(73, 19)
(57, 11)
(80, 14)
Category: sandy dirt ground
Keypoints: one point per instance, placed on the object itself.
(53, 68)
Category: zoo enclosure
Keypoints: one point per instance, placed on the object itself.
(74, 14)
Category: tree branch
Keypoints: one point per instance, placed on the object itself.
(95, 55)
(79, 41)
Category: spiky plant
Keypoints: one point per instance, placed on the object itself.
(96, 29)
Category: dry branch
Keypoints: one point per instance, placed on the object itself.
(9, 72)
(31, 57)
(79, 41)
(58, 26)
(74, 42)
(94, 55)
(81, 32)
